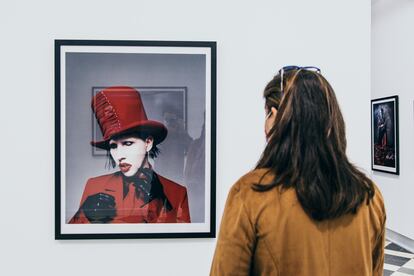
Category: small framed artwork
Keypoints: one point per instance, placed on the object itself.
(135, 148)
(384, 135)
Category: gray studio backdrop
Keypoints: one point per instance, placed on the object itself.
(157, 73)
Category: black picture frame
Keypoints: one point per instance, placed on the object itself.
(77, 60)
(385, 135)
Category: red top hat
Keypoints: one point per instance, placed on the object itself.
(120, 110)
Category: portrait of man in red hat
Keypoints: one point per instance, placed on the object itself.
(134, 139)
(135, 193)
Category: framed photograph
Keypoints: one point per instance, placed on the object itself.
(384, 135)
(135, 139)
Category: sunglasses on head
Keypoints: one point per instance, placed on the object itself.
(292, 68)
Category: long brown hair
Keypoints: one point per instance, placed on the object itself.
(306, 149)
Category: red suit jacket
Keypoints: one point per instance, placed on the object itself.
(132, 209)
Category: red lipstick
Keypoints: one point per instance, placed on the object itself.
(124, 167)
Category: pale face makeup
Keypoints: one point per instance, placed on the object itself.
(269, 120)
(129, 153)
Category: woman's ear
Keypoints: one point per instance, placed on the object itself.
(149, 142)
(274, 111)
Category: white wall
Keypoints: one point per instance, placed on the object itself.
(254, 40)
(392, 60)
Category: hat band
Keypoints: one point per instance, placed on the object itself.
(106, 115)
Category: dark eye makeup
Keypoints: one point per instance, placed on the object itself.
(127, 143)
(123, 143)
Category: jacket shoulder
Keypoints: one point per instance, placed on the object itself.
(258, 176)
(377, 207)
(175, 192)
(170, 185)
(251, 198)
(378, 198)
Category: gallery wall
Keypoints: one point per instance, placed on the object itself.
(392, 60)
(254, 39)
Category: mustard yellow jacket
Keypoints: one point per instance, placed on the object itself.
(268, 233)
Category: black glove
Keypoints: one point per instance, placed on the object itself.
(150, 187)
(143, 184)
(99, 208)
